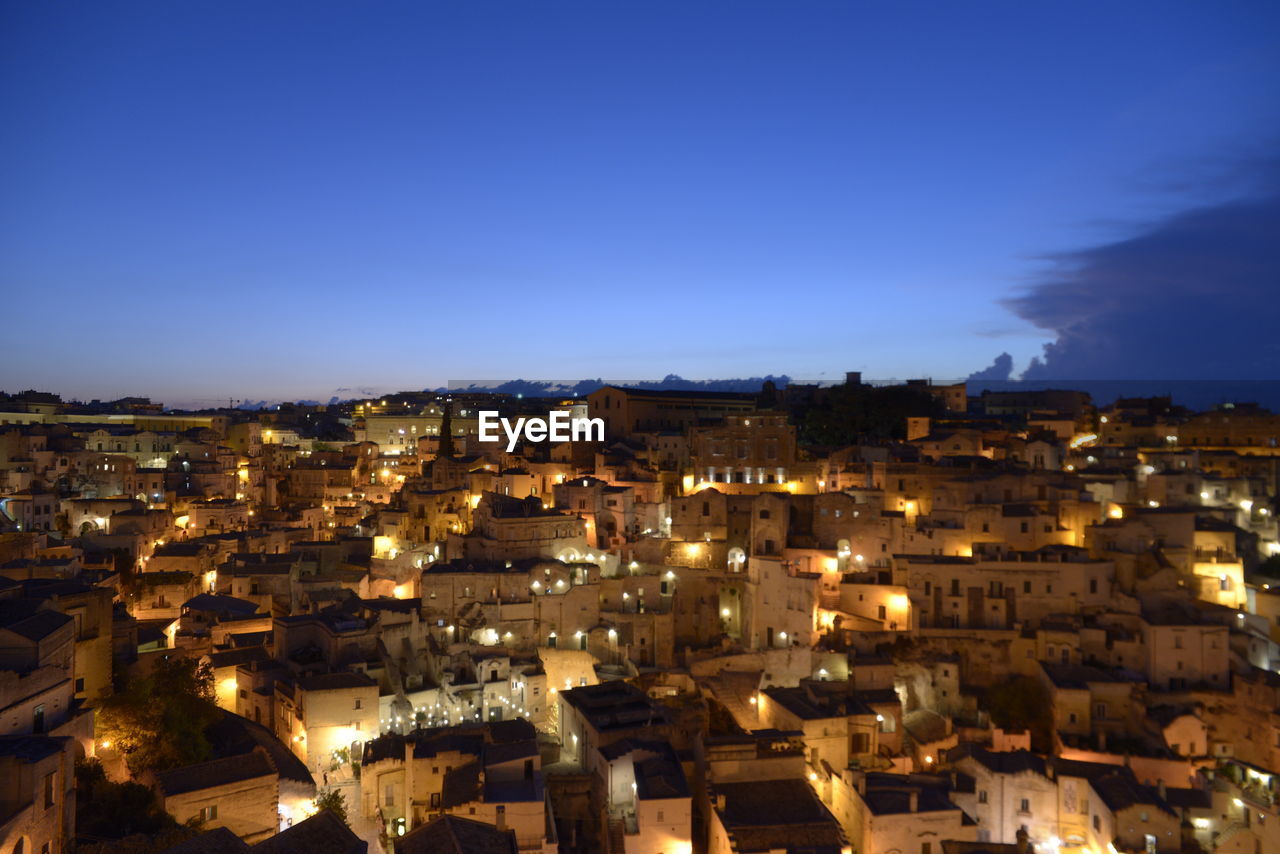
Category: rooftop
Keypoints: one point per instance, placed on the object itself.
(614, 705)
(777, 815)
(217, 772)
(451, 834)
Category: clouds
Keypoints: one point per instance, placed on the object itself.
(1193, 296)
(999, 370)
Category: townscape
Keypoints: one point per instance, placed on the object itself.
(879, 619)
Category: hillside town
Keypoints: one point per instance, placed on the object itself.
(848, 618)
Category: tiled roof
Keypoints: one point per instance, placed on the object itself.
(777, 814)
(217, 841)
(218, 772)
(451, 834)
(322, 833)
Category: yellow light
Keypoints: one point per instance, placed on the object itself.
(1116, 511)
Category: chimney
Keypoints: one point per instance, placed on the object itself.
(1160, 789)
(914, 800)
(1022, 837)
(501, 822)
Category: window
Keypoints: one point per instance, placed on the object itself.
(1024, 806)
(926, 848)
(1100, 710)
(982, 796)
(389, 798)
(49, 780)
(359, 703)
(37, 719)
(209, 813)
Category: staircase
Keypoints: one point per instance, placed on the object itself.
(617, 836)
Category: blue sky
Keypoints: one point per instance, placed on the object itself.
(215, 199)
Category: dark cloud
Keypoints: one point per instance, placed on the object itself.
(999, 370)
(1194, 296)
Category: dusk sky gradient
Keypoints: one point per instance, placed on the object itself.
(204, 200)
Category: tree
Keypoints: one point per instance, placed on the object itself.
(1022, 704)
(121, 817)
(445, 449)
(334, 801)
(849, 414)
(159, 721)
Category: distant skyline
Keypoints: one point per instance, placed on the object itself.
(285, 200)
